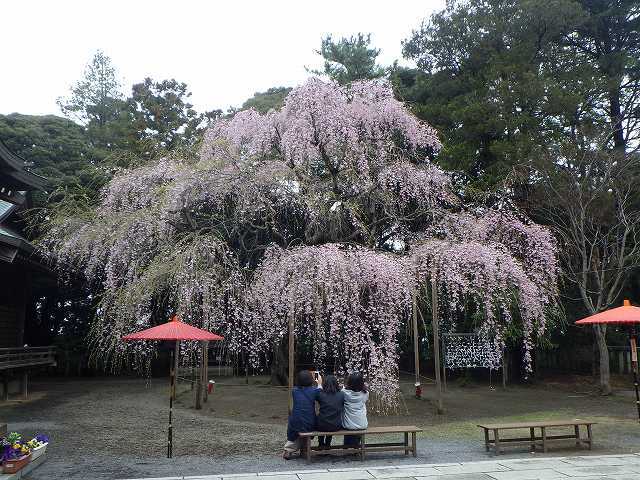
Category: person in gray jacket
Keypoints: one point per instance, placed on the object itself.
(354, 415)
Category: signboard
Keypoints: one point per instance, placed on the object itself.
(469, 350)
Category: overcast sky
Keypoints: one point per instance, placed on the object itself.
(224, 50)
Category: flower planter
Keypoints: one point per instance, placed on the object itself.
(38, 451)
(12, 466)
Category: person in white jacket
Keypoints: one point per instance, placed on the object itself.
(354, 414)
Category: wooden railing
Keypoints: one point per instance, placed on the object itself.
(11, 358)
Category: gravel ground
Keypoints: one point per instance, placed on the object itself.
(116, 428)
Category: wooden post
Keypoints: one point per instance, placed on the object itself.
(5, 387)
(416, 352)
(199, 376)
(444, 365)
(246, 367)
(205, 373)
(504, 368)
(436, 343)
(634, 367)
(291, 358)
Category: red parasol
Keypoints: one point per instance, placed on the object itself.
(625, 315)
(620, 315)
(173, 330)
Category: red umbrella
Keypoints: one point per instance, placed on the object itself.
(173, 330)
(625, 315)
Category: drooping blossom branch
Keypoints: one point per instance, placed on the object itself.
(348, 305)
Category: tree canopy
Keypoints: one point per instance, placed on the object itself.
(329, 211)
(262, 102)
(58, 149)
(349, 59)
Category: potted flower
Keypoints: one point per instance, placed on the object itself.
(15, 453)
(38, 445)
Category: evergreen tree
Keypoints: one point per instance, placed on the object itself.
(162, 115)
(97, 103)
(349, 59)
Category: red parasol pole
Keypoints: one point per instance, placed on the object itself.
(174, 330)
(634, 365)
(171, 390)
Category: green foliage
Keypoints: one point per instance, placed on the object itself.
(484, 82)
(349, 59)
(58, 149)
(93, 96)
(96, 101)
(506, 81)
(162, 116)
(155, 118)
(262, 102)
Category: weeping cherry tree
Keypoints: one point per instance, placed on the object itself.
(329, 212)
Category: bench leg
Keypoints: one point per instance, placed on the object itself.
(307, 448)
(496, 440)
(415, 444)
(362, 448)
(486, 439)
(532, 434)
(576, 430)
(544, 439)
(406, 443)
(589, 436)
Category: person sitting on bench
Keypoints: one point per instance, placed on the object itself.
(303, 413)
(331, 403)
(354, 415)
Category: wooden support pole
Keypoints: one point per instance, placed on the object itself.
(199, 375)
(246, 367)
(291, 358)
(205, 373)
(416, 351)
(444, 365)
(436, 343)
(504, 368)
(5, 387)
(634, 366)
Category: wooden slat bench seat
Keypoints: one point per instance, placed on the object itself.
(533, 440)
(404, 446)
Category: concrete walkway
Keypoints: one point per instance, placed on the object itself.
(603, 467)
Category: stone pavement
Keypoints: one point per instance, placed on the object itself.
(592, 467)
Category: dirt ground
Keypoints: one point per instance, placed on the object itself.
(115, 428)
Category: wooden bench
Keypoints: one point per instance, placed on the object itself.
(405, 446)
(532, 440)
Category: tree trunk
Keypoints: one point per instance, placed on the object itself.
(605, 376)
(616, 120)
(279, 365)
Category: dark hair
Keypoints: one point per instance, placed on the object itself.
(330, 384)
(304, 379)
(355, 382)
